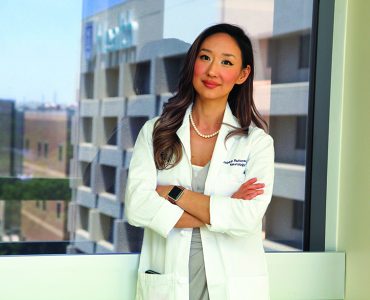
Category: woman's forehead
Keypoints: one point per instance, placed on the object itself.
(221, 43)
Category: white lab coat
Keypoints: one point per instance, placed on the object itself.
(232, 244)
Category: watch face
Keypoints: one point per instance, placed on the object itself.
(175, 192)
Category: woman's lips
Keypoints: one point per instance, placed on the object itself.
(210, 84)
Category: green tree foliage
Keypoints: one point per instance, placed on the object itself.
(34, 189)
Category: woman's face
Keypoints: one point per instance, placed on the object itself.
(218, 67)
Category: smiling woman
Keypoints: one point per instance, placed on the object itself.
(202, 217)
(216, 71)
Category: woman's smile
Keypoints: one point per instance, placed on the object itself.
(210, 84)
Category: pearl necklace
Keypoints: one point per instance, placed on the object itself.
(206, 136)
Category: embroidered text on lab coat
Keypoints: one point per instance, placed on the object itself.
(236, 162)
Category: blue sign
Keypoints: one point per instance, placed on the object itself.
(99, 40)
(89, 40)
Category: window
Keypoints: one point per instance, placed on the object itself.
(37, 118)
(129, 67)
(39, 149)
(58, 209)
(46, 150)
(60, 152)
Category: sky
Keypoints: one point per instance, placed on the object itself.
(40, 43)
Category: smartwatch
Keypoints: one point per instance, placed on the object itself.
(175, 194)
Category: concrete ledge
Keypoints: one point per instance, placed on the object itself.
(295, 276)
(87, 152)
(104, 247)
(111, 156)
(83, 243)
(141, 105)
(89, 108)
(289, 181)
(109, 205)
(113, 107)
(86, 197)
(289, 99)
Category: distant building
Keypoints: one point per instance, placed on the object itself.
(10, 165)
(7, 138)
(46, 155)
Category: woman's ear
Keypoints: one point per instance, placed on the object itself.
(244, 74)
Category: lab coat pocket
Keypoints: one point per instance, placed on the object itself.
(155, 287)
(249, 288)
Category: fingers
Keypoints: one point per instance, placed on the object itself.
(249, 190)
(253, 195)
(254, 186)
(251, 183)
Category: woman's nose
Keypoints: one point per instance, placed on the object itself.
(212, 69)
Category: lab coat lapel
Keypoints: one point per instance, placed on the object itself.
(221, 148)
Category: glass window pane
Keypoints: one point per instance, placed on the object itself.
(78, 136)
(38, 100)
(130, 68)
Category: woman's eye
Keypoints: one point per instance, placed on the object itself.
(204, 57)
(227, 62)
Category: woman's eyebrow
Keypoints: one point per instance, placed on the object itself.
(223, 54)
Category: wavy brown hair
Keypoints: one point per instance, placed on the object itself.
(166, 144)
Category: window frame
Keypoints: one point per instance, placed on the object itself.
(318, 125)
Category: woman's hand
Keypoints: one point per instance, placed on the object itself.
(163, 190)
(249, 190)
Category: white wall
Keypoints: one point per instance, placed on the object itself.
(113, 277)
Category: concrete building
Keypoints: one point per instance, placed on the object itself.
(131, 56)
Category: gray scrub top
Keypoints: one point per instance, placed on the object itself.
(197, 275)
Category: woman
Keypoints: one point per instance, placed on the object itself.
(201, 178)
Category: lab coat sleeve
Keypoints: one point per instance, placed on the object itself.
(237, 217)
(143, 205)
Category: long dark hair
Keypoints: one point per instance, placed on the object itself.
(166, 144)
